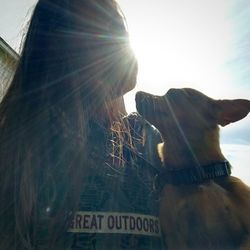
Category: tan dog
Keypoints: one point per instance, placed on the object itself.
(201, 206)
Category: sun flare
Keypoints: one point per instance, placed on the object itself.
(181, 46)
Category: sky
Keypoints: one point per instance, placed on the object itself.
(203, 44)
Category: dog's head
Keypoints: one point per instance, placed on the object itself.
(188, 111)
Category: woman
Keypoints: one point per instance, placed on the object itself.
(75, 171)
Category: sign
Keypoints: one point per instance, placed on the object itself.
(112, 222)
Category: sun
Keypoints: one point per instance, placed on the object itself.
(177, 62)
(180, 48)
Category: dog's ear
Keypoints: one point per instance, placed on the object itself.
(229, 111)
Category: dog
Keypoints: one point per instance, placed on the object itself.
(201, 205)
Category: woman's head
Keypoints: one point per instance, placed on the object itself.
(78, 45)
(114, 64)
(75, 57)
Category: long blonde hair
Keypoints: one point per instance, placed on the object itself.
(45, 114)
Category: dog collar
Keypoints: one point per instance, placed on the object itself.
(193, 175)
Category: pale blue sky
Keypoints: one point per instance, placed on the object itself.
(196, 43)
(13, 15)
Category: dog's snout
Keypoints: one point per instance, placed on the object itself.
(139, 101)
(142, 97)
(139, 96)
(144, 102)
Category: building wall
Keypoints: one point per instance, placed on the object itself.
(8, 63)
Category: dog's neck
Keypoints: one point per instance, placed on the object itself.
(177, 152)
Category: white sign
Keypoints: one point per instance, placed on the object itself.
(112, 222)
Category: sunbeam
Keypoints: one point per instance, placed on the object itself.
(198, 44)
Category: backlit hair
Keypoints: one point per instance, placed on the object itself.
(70, 46)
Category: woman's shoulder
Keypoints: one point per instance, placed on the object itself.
(146, 136)
(141, 126)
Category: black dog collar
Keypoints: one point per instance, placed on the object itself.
(192, 175)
